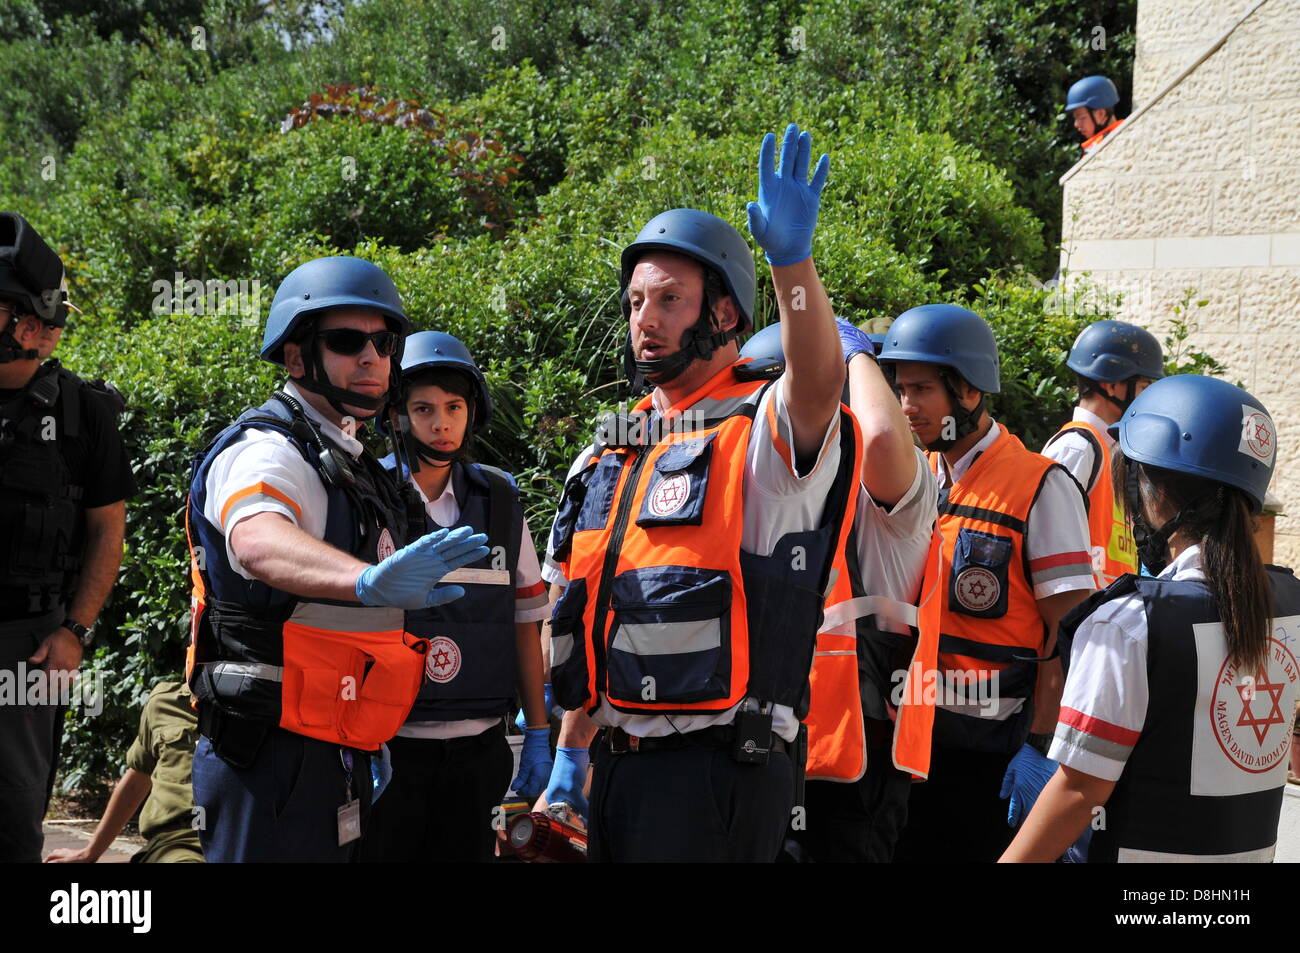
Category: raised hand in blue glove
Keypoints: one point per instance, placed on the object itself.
(568, 777)
(534, 763)
(521, 719)
(853, 341)
(1025, 779)
(408, 578)
(785, 215)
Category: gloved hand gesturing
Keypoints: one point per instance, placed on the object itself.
(785, 215)
(521, 719)
(408, 578)
(1025, 779)
(568, 777)
(534, 763)
(853, 341)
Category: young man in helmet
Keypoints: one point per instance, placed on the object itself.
(451, 762)
(1090, 104)
(64, 482)
(304, 556)
(694, 550)
(1114, 362)
(1013, 559)
(860, 762)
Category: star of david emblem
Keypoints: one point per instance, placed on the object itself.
(978, 589)
(441, 659)
(1251, 692)
(1262, 434)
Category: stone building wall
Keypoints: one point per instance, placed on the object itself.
(1201, 190)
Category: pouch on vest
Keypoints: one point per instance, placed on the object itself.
(675, 496)
(566, 514)
(978, 584)
(569, 646)
(670, 638)
(252, 636)
(599, 498)
(880, 655)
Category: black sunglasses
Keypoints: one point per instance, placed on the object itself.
(350, 341)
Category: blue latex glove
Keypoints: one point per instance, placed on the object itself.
(534, 763)
(785, 215)
(521, 720)
(568, 776)
(852, 340)
(1025, 779)
(407, 579)
(381, 771)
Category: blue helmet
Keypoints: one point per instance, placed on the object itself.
(1095, 92)
(765, 345)
(333, 282)
(1205, 427)
(1114, 351)
(429, 350)
(707, 239)
(947, 335)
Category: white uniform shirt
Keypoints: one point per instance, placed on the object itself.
(530, 606)
(777, 501)
(1075, 452)
(1056, 535)
(262, 472)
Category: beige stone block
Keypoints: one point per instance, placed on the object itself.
(1213, 251)
(1274, 384)
(1270, 304)
(1153, 71)
(1165, 23)
(1177, 140)
(1151, 206)
(1276, 141)
(1261, 66)
(1087, 206)
(1206, 85)
(1257, 201)
(1219, 288)
(1109, 255)
(1285, 251)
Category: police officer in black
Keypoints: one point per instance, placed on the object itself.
(64, 481)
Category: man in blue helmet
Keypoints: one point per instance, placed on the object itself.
(693, 552)
(1013, 559)
(303, 563)
(451, 761)
(1114, 362)
(1090, 104)
(64, 482)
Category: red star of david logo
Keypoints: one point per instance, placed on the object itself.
(1251, 692)
(978, 588)
(671, 494)
(1262, 434)
(442, 659)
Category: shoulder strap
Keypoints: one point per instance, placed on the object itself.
(501, 508)
(1098, 454)
(1070, 622)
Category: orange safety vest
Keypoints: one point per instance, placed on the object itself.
(1113, 550)
(663, 613)
(837, 747)
(978, 600)
(340, 673)
(1093, 142)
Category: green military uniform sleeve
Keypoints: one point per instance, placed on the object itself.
(168, 733)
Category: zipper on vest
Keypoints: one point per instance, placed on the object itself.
(612, 551)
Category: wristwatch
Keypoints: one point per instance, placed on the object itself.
(1040, 742)
(84, 634)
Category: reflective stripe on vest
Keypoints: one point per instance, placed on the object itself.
(657, 613)
(1111, 540)
(979, 602)
(1204, 778)
(337, 672)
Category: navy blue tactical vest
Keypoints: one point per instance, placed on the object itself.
(1205, 779)
(471, 670)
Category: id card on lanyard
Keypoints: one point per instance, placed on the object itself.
(350, 812)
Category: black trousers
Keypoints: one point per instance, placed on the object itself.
(858, 822)
(693, 805)
(439, 805)
(956, 815)
(29, 744)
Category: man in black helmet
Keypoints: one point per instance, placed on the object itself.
(694, 540)
(64, 482)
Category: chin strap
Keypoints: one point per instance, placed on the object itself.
(967, 421)
(316, 381)
(417, 450)
(699, 342)
(11, 350)
(1130, 394)
(1153, 545)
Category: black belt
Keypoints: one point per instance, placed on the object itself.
(718, 736)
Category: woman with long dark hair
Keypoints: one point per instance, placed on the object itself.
(1174, 730)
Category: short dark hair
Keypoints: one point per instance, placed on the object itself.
(452, 381)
